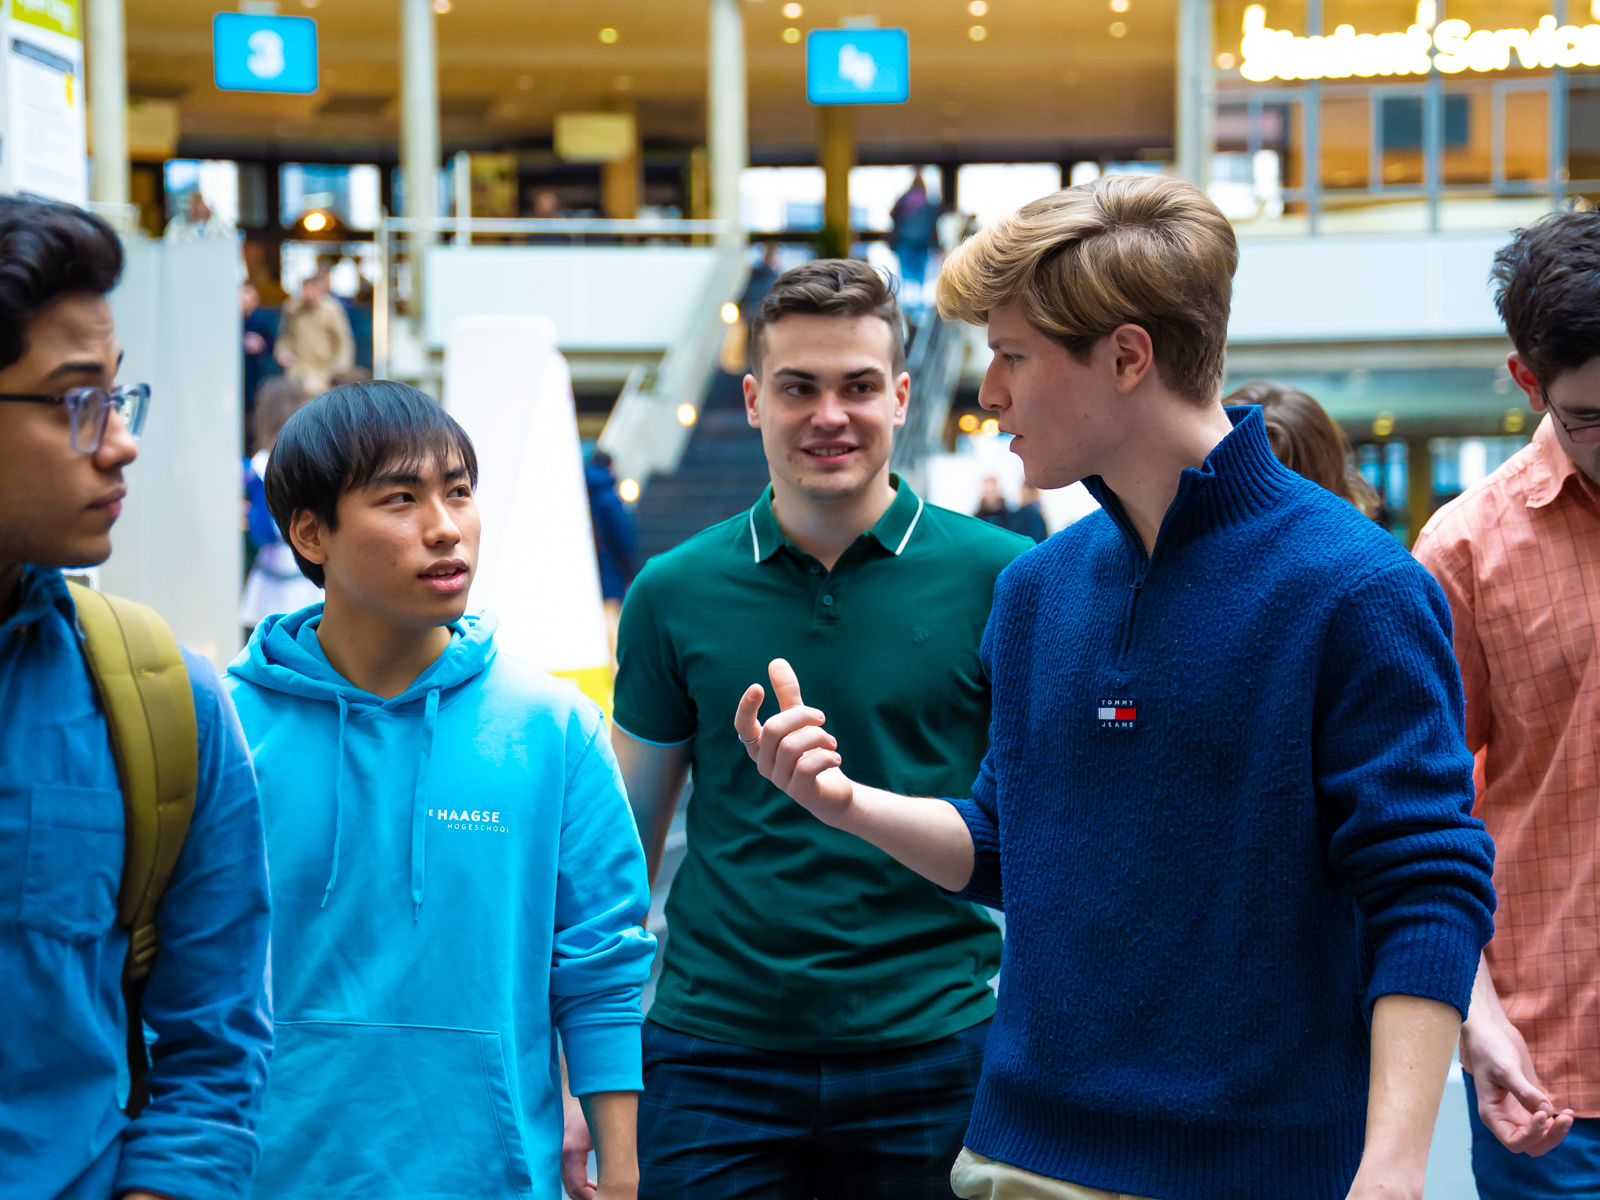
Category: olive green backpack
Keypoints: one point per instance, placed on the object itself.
(144, 691)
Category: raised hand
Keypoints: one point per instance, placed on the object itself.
(793, 749)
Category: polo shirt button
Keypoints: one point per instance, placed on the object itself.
(816, 570)
(827, 600)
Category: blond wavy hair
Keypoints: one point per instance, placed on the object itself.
(1127, 250)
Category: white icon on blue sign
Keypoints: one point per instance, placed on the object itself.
(264, 54)
(857, 66)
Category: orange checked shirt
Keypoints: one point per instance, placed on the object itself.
(1519, 558)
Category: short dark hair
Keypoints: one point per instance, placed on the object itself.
(48, 250)
(1547, 288)
(828, 287)
(342, 439)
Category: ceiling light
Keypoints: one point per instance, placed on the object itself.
(686, 414)
(977, 8)
(441, 6)
(1226, 61)
(1118, 29)
(730, 313)
(792, 11)
(990, 428)
(608, 35)
(968, 423)
(791, 35)
(977, 33)
(628, 489)
(315, 222)
(1119, 5)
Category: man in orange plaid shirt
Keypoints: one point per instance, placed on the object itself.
(1519, 558)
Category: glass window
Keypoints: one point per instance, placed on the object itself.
(349, 191)
(1527, 140)
(1346, 138)
(199, 190)
(1583, 134)
(1468, 134)
(776, 199)
(990, 191)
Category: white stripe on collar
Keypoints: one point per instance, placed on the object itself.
(755, 542)
(910, 527)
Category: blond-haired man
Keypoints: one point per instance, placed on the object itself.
(1226, 803)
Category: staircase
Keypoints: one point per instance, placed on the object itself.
(722, 473)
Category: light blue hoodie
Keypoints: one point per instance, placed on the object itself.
(454, 871)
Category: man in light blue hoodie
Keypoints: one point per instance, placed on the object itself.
(455, 869)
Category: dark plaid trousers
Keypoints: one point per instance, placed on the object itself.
(723, 1122)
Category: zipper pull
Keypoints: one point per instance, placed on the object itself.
(1139, 574)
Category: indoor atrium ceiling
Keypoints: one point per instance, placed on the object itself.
(1047, 79)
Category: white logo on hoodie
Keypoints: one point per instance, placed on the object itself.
(478, 819)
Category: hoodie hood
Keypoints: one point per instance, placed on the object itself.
(285, 655)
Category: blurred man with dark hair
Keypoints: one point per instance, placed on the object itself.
(820, 1022)
(1519, 558)
(66, 433)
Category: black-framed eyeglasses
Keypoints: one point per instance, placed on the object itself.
(1584, 434)
(90, 410)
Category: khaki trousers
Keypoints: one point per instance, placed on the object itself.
(975, 1177)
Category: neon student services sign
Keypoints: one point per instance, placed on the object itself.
(1452, 46)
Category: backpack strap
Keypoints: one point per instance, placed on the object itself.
(144, 689)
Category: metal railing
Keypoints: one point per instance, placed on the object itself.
(938, 353)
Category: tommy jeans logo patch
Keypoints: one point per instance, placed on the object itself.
(1117, 714)
(477, 819)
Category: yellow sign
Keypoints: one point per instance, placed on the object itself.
(58, 16)
(594, 136)
(1452, 46)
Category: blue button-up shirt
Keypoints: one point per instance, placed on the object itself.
(62, 1023)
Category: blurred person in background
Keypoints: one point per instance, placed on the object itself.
(820, 1020)
(614, 538)
(992, 506)
(70, 1125)
(314, 338)
(914, 221)
(1028, 520)
(1226, 805)
(456, 876)
(1308, 441)
(275, 583)
(1519, 558)
(258, 337)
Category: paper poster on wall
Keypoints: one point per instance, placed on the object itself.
(45, 97)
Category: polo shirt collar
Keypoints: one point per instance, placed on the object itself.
(893, 531)
(1552, 469)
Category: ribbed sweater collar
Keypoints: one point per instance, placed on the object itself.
(1240, 479)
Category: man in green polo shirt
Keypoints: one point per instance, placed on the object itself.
(818, 1030)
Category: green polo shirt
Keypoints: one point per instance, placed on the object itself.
(785, 934)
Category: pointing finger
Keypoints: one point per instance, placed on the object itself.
(785, 683)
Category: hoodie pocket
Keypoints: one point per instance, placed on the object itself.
(74, 863)
(379, 1112)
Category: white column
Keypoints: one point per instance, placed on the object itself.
(729, 139)
(108, 101)
(419, 130)
(1196, 117)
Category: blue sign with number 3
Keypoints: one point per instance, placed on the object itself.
(264, 54)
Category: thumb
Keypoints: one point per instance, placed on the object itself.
(785, 684)
(1527, 1092)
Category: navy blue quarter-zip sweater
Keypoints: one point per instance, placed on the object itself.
(1226, 806)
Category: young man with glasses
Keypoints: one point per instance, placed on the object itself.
(820, 1021)
(1519, 558)
(66, 433)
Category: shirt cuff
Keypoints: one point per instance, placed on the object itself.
(603, 1058)
(1434, 959)
(984, 886)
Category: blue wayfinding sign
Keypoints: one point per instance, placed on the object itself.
(858, 66)
(264, 54)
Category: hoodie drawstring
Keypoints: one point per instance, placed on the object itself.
(419, 811)
(338, 803)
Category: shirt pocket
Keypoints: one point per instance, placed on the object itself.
(74, 863)
(378, 1112)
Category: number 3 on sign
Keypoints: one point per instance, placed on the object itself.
(266, 59)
